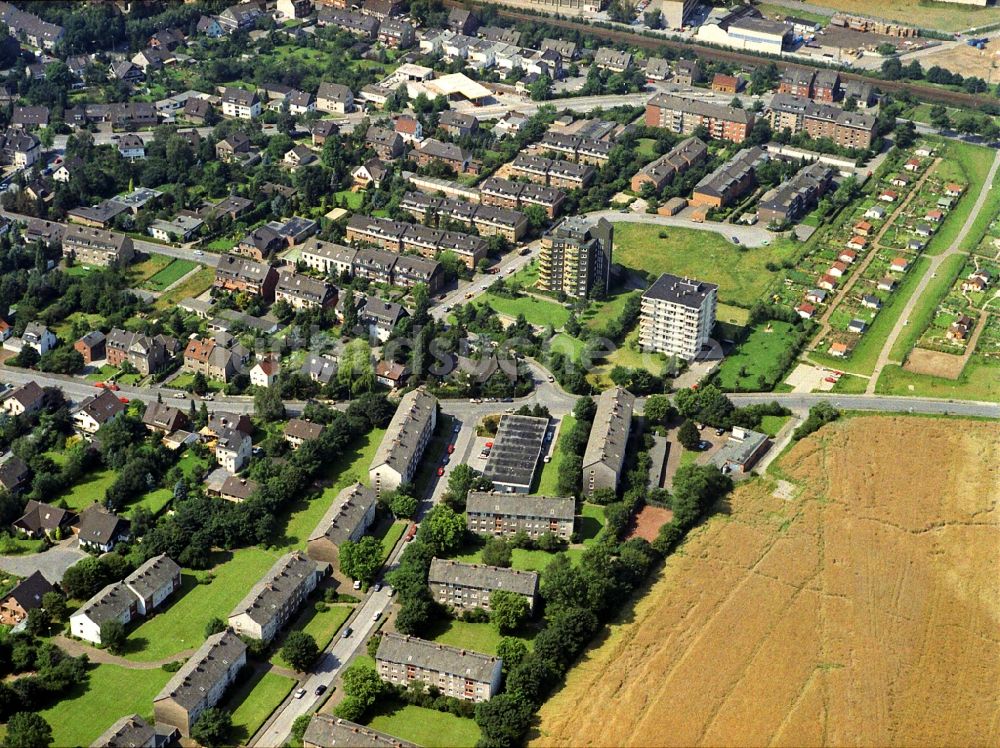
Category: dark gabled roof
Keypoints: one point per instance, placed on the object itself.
(483, 577)
(153, 575)
(409, 650)
(345, 515)
(29, 591)
(38, 516)
(13, 472)
(99, 526)
(297, 428)
(204, 670)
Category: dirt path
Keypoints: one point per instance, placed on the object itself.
(824, 321)
(75, 648)
(930, 272)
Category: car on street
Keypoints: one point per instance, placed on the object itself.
(445, 460)
(347, 632)
(180, 396)
(451, 449)
(198, 252)
(440, 471)
(736, 240)
(208, 397)
(378, 586)
(551, 380)
(320, 690)
(378, 614)
(300, 693)
(458, 427)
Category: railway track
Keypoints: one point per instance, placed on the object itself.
(923, 92)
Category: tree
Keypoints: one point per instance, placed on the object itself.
(199, 385)
(268, 405)
(443, 530)
(362, 559)
(461, 480)
(214, 626)
(28, 730)
(508, 610)
(113, 636)
(939, 117)
(497, 552)
(213, 727)
(55, 603)
(905, 134)
(688, 436)
(402, 505)
(39, 622)
(300, 650)
(658, 410)
(512, 651)
(362, 686)
(503, 720)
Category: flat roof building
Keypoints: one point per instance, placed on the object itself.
(517, 447)
(677, 316)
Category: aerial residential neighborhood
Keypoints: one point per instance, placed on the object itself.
(430, 373)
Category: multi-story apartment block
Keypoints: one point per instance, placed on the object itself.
(410, 429)
(302, 292)
(454, 672)
(576, 257)
(488, 219)
(327, 257)
(605, 454)
(276, 597)
(466, 586)
(676, 161)
(799, 114)
(686, 115)
(243, 275)
(730, 181)
(677, 316)
(553, 172)
(506, 193)
(826, 86)
(508, 514)
(396, 236)
(201, 682)
(791, 200)
(325, 730)
(147, 354)
(232, 449)
(575, 148)
(239, 103)
(797, 81)
(348, 518)
(89, 246)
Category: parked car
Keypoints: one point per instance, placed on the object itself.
(180, 396)
(451, 449)
(357, 584)
(440, 471)
(347, 632)
(320, 690)
(378, 586)
(720, 432)
(300, 693)
(378, 614)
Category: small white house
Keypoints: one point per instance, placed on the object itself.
(116, 602)
(233, 450)
(265, 373)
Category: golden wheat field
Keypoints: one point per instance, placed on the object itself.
(864, 611)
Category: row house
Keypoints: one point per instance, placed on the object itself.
(387, 144)
(302, 292)
(575, 148)
(351, 21)
(279, 594)
(396, 33)
(242, 275)
(730, 181)
(147, 354)
(328, 258)
(348, 518)
(396, 236)
(489, 220)
(506, 193)
(449, 154)
(604, 456)
(791, 200)
(552, 172)
(213, 359)
(399, 453)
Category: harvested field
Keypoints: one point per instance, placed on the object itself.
(935, 363)
(863, 612)
(966, 60)
(648, 522)
(924, 13)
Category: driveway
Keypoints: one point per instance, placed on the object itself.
(750, 236)
(52, 563)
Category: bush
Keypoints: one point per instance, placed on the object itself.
(819, 415)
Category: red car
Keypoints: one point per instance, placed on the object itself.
(124, 400)
(113, 387)
(489, 445)
(451, 449)
(100, 385)
(440, 471)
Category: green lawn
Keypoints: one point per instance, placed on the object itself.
(111, 692)
(592, 522)
(535, 310)
(107, 371)
(321, 626)
(741, 275)
(735, 315)
(426, 727)
(181, 625)
(549, 479)
(771, 425)
(601, 313)
(969, 164)
(478, 637)
(978, 381)
(266, 695)
(185, 379)
(391, 537)
(155, 501)
(756, 364)
(350, 200)
(191, 464)
(90, 489)
(149, 267)
(567, 345)
(538, 560)
(923, 312)
(645, 148)
(348, 468)
(196, 285)
(851, 385)
(170, 274)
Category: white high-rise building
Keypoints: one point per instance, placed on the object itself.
(677, 316)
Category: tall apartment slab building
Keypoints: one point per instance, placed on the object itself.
(576, 257)
(799, 114)
(677, 316)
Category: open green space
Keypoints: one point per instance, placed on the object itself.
(979, 380)
(549, 479)
(537, 311)
(64, 329)
(645, 148)
(756, 364)
(89, 490)
(193, 286)
(170, 274)
(741, 273)
(350, 467)
(600, 313)
(426, 727)
(255, 707)
(771, 425)
(478, 637)
(111, 692)
(780, 12)
(347, 198)
(106, 372)
(567, 345)
(592, 521)
(734, 315)
(153, 264)
(204, 595)
(393, 533)
(154, 501)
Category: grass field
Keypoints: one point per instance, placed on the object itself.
(111, 692)
(741, 275)
(601, 313)
(756, 364)
(196, 285)
(181, 626)
(923, 313)
(348, 468)
(780, 12)
(90, 489)
(154, 501)
(392, 535)
(771, 425)
(153, 264)
(170, 274)
(854, 584)
(351, 200)
(426, 727)
(734, 315)
(978, 381)
(969, 164)
(535, 310)
(256, 706)
(549, 478)
(567, 345)
(593, 519)
(478, 637)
